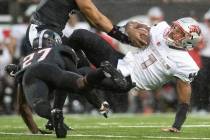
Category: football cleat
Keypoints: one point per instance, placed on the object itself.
(44, 132)
(114, 74)
(172, 129)
(50, 126)
(67, 127)
(57, 116)
(104, 109)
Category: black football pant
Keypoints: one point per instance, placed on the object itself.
(96, 49)
(41, 79)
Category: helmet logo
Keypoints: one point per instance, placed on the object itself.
(46, 35)
(195, 28)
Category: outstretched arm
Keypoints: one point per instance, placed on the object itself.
(184, 91)
(184, 94)
(25, 111)
(94, 16)
(100, 21)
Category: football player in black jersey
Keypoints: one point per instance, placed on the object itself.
(53, 66)
(53, 14)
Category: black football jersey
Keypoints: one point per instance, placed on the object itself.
(54, 13)
(58, 55)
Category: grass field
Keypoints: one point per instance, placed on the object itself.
(117, 127)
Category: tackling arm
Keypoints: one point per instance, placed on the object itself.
(100, 21)
(94, 15)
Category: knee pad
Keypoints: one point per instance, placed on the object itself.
(42, 108)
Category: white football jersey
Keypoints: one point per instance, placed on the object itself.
(155, 65)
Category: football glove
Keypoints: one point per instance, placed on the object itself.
(11, 69)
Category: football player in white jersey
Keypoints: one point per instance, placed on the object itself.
(152, 66)
(163, 59)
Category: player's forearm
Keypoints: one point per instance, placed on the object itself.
(181, 115)
(100, 22)
(184, 93)
(25, 111)
(27, 117)
(94, 16)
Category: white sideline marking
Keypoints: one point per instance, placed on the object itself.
(120, 126)
(159, 126)
(76, 135)
(202, 125)
(113, 123)
(15, 127)
(179, 138)
(136, 126)
(106, 136)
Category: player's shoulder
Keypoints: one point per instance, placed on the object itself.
(184, 59)
(65, 48)
(186, 68)
(204, 29)
(160, 28)
(161, 25)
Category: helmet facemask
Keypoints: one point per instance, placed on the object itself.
(47, 38)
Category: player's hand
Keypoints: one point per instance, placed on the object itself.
(138, 34)
(11, 69)
(104, 109)
(171, 129)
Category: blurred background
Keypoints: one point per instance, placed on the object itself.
(14, 19)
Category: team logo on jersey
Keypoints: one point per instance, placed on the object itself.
(158, 43)
(192, 76)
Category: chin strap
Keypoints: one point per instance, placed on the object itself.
(176, 48)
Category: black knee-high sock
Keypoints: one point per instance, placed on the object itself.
(93, 98)
(59, 100)
(95, 48)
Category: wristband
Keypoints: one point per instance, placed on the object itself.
(180, 116)
(119, 34)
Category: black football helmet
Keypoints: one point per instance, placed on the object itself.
(47, 38)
